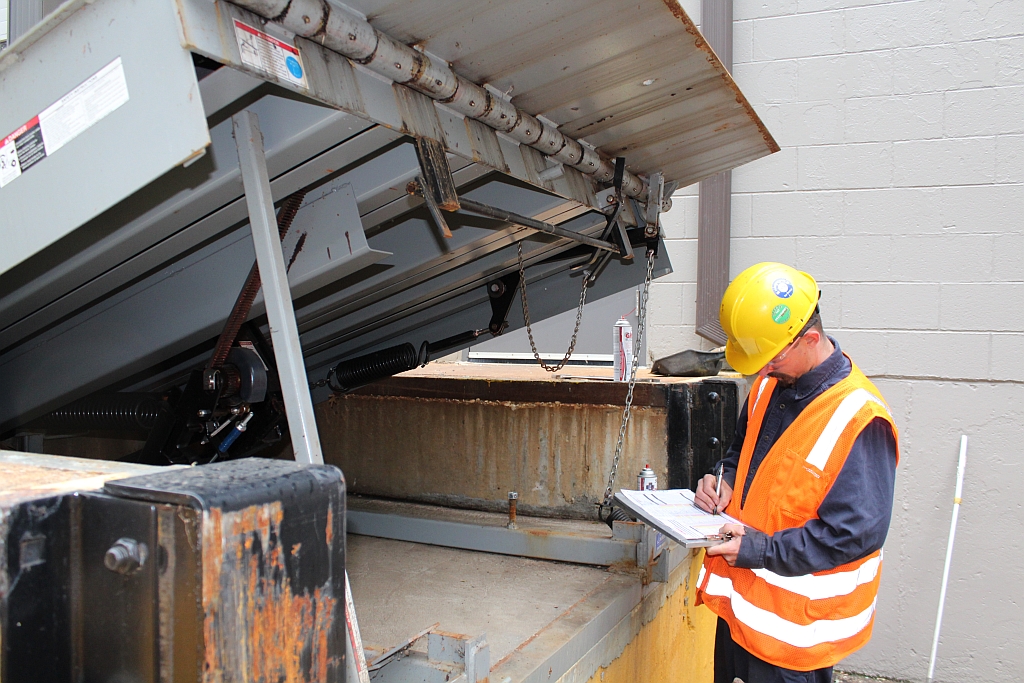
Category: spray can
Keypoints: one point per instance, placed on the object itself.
(647, 480)
(622, 350)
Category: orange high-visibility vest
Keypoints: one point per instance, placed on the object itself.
(798, 622)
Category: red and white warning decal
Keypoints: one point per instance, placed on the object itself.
(265, 53)
(63, 121)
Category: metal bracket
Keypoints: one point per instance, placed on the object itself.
(502, 293)
(655, 197)
(436, 176)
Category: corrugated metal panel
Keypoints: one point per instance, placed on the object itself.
(583, 65)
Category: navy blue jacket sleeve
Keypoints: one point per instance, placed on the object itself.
(852, 521)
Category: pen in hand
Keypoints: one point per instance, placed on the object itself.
(718, 486)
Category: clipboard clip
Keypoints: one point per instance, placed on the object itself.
(719, 537)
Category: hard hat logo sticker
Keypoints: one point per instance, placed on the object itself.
(780, 313)
(783, 288)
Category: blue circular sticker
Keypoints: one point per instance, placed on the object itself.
(783, 288)
(293, 66)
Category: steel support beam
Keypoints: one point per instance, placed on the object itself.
(562, 546)
(280, 313)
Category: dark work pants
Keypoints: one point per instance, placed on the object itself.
(732, 661)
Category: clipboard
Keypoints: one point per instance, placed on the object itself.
(674, 513)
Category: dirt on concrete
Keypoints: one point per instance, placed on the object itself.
(845, 677)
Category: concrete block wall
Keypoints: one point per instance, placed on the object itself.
(900, 187)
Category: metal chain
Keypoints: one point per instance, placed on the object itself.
(641, 322)
(526, 316)
(325, 382)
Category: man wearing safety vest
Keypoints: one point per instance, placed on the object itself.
(810, 475)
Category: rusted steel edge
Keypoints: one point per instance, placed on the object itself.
(679, 13)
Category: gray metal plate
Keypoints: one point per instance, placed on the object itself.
(160, 126)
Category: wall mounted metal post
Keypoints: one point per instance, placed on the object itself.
(714, 220)
(276, 293)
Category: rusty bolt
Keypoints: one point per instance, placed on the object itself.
(351, 36)
(612, 199)
(513, 499)
(398, 65)
(305, 19)
(126, 556)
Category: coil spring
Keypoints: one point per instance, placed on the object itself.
(114, 412)
(356, 372)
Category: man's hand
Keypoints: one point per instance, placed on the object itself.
(707, 499)
(730, 549)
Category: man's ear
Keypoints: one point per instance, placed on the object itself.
(813, 336)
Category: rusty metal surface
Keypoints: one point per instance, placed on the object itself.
(583, 65)
(24, 476)
(471, 453)
(257, 626)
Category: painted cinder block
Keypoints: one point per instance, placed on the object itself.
(860, 165)
(747, 252)
(774, 173)
(893, 211)
(799, 124)
(946, 355)
(836, 77)
(942, 258)
(858, 258)
(897, 24)
(1009, 159)
(891, 305)
(798, 213)
(800, 35)
(945, 162)
(683, 255)
(985, 111)
(940, 68)
(1007, 256)
(996, 306)
(1005, 359)
(772, 82)
(982, 208)
(900, 117)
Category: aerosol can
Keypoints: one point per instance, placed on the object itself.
(622, 350)
(647, 480)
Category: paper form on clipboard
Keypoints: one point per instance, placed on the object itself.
(674, 513)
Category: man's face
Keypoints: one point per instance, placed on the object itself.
(788, 364)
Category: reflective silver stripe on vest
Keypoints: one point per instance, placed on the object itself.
(837, 423)
(760, 390)
(824, 586)
(774, 626)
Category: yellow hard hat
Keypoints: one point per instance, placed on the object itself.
(763, 310)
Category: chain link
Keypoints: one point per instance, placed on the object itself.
(526, 316)
(641, 323)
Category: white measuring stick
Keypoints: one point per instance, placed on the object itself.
(949, 552)
(356, 660)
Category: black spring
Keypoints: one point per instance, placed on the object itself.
(109, 412)
(357, 372)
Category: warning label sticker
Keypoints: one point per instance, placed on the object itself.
(63, 121)
(267, 54)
